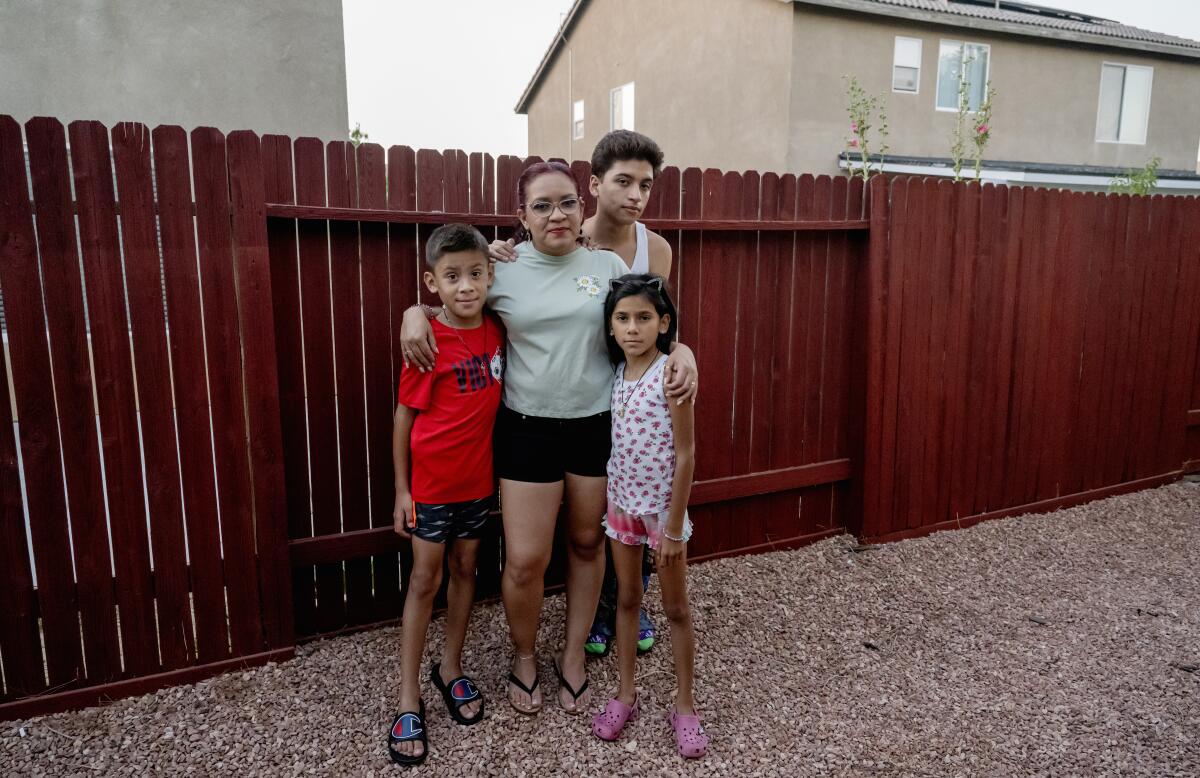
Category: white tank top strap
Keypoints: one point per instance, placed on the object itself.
(641, 255)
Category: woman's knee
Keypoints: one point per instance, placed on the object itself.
(587, 546)
(525, 571)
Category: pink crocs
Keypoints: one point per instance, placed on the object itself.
(609, 723)
(689, 735)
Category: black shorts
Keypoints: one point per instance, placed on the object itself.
(439, 523)
(537, 449)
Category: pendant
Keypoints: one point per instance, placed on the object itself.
(621, 411)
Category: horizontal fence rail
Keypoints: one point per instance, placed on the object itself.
(282, 211)
(201, 338)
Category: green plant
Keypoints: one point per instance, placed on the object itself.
(866, 113)
(958, 138)
(981, 128)
(979, 120)
(357, 136)
(1137, 182)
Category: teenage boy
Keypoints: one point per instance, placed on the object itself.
(624, 166)
(443, 436)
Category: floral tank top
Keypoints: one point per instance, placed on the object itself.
(642, 464)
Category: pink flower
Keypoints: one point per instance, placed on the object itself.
(982, 129)
(853, 126)
(854, 143)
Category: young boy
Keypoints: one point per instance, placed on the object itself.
(443, 434)
(624, 166)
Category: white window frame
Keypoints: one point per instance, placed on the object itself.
(920, 55)
(577, 120)
(627, 122)
(1149, 102)
(987, 74)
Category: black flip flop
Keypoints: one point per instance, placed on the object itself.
(517, 682)
(575, 694)
(407, 727)
(457, 693)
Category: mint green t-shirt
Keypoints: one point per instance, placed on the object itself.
(553, 309)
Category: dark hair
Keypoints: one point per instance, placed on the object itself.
(653, 288)
(532, 172)
(620, 145)
(450, 238)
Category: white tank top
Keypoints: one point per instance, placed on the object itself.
(641, 254)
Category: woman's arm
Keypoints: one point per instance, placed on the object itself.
(683, 425)
(401, 435)
(417, 343)
(681, 375)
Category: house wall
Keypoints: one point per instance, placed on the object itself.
(1045, 109)
(271, 66)
(711, 80)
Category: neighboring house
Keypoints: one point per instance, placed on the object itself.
(758, 84)
(276, 66)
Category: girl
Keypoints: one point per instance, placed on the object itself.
(649, 480)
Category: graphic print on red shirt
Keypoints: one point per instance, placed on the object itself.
(451, 440)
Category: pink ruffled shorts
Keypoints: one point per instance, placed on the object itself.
(633, 530)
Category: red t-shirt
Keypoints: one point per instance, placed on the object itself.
(451, 442)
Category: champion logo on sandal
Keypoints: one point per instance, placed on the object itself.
(406, 726)
(463, 689)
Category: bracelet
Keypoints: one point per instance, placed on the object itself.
(669, 536)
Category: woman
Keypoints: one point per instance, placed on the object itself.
(553, 429)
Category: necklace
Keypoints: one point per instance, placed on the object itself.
(623, 402)
(455, 330)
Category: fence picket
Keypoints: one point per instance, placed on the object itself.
(144, 281)
(62, 288)
(30, 366)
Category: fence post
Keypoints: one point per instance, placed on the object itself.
(864, 519)
(247, 194)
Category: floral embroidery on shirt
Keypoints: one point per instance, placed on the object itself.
(588, 284)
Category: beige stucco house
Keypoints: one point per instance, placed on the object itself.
(758, 84)
(274, 66)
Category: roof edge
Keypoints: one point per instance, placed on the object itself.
(559, 41)
(994, 25)
(1060, 168)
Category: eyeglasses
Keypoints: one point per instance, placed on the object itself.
(542, 208)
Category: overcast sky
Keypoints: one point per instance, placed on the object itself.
(447, 74)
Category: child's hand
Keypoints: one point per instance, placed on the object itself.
(670, 552)
(503, 251)
(402, 514)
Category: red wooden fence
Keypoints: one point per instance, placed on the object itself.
(1037, 348)
(148, 446)
(202, 370)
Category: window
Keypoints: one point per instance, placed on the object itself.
(906, 65)
(962, 62)
(620, 108)
(1124, 103)
(577, 120)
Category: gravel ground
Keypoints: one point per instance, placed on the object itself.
(1055, 645)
